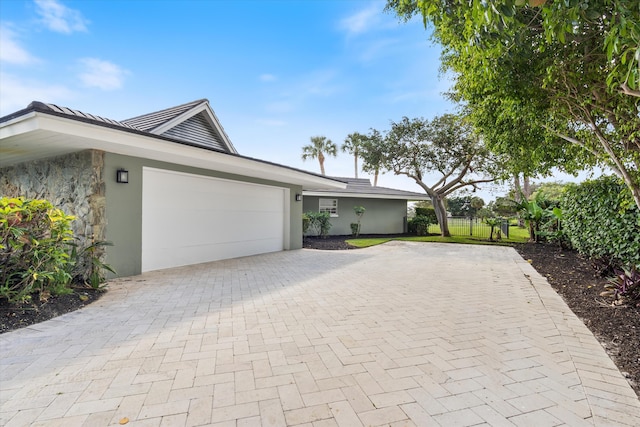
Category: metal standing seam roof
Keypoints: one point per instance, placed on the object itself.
(71, 112)
(195, 130)
(149, 122)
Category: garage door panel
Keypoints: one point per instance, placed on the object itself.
(190, 219)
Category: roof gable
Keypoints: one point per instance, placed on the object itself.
(194, 122)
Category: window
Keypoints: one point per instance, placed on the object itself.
(330, 206)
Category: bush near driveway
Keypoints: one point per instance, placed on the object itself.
(33, 248)
(602, 221)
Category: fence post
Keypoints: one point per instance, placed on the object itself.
(505, 228)
(470, 226)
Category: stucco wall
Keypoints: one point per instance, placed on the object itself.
(382, 216)
(124, 208)
(73, 183)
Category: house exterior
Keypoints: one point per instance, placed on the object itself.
(386, 208)
(189, 196)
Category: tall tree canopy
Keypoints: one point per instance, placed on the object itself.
(319, 146)
(371, 154)
(558, 83)
(445, 146)
(353, 144)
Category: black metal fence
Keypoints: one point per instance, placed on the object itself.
(477, 227)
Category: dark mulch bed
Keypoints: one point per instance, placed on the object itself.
(26, 314)
(579, 284)
(574, 278)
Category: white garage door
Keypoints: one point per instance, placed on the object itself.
(189, 219)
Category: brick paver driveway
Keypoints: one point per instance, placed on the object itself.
(400, 334)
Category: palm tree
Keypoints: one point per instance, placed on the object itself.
(371, 153)
(352, 144)
(319, 146)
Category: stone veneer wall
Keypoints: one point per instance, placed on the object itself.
(72, 182)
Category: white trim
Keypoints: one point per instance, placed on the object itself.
(362, 195)
(211, 117)
(36, 135)
(287, 219)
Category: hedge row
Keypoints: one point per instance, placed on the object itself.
(602, 221)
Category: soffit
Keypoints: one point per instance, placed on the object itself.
(37, 135)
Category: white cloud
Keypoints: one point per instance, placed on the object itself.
(17, 93)
(362, 21)
(59, 18)
(268, 78)
(102, 74)
(10, 50)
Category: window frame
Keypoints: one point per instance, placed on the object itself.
(330, 206)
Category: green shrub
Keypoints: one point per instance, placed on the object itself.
(306, 221)
(33, 248)
(430, 213)
(602, 221)
(355, 227)
(419, 225)
(86, 264)
(319, 223)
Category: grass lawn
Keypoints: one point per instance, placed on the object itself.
(516, 235)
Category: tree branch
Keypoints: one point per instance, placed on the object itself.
(628, 91)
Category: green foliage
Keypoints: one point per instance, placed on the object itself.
(306, 221)
(33, 248)
(552, 190)
(503, 206)
(624, 286)
(353, 144)
(445, 146)
(319, 146)
(602, 221)
(428, 212)
(319, 223)
(92, 274)
(465, 206)
(355, 227)
(419, 225)
(494, 222)
(554, 85)
(536, 213)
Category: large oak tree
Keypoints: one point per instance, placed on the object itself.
(446, 147)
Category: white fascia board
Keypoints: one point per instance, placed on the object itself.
(363, 195)
(18, 125)
(111, 140)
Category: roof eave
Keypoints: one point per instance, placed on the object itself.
(74, 134)
(330, 193)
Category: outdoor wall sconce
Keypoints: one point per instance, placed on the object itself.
(298, 197)
(122, 176)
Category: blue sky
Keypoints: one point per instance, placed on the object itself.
(275, 72)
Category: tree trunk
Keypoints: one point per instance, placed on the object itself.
(517, 189)
(441, 214)
(355, 163)
(518, 196)
(321, 161)
(375, 177)
(526, 187)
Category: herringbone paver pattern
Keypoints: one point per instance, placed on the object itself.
(403, 334)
